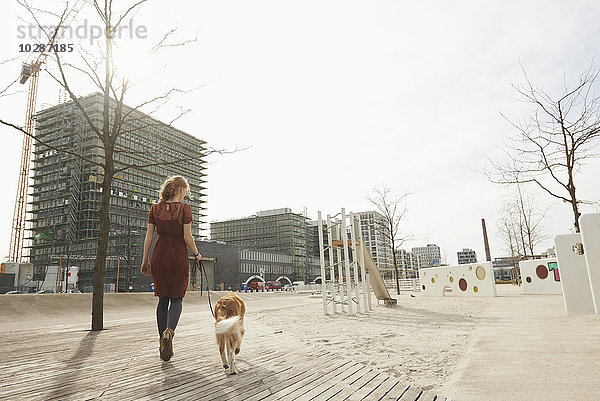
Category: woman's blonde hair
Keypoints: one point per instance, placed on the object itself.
(170, 186)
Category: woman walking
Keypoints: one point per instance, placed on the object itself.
(169, 264)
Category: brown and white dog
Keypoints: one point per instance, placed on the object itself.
(229, 328)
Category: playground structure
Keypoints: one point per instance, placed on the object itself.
(475, 280)
(540, 276)
(578, 258)
(356, 269)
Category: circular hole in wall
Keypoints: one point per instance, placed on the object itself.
(462, 284)
(451, 279)
(528, 279)
(423, 287)
(470, 268)
(541, 271)
(432, 280)
(475, 289)
(480, 272)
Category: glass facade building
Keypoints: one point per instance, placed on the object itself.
(66, 189)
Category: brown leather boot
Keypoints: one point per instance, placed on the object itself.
(166, 344)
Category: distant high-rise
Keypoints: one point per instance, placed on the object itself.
(466, 256)
(67, 189)
(408, 262)
(430, 255)
(373, 230)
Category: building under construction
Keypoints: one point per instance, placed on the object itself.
(67, 190)
(278, 230)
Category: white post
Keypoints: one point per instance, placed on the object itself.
(363, 271)
(322, 256)
(338, 250)
(347, 262)
(369, 291)
(331, 264)
(355, 261)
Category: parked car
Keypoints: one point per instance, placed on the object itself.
(73, 292)
(15, 292)
(45, 292)
(288, 287)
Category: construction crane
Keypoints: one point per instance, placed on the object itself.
(29, 72)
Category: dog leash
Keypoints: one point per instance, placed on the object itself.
(198, 265)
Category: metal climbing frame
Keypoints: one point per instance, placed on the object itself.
(351, 276)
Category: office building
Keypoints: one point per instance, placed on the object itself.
(67, 189)
(277, 230)
(505, 268)
(377, 241)
(466, 256)
(409, 263)
(429, 255)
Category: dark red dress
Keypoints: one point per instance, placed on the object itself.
(169, 264)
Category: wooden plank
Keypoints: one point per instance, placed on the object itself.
(280, 392)
(152, 370)
(380, 392)
(322, 385)
(321, 380)
(240, 381)
(368, 388)
(358, 384)
(343, 384)
(397, 392)
(277, 368)
(130, 382)
(411, 394)
(214, 376)
(285, 378)
(426, 396)
(278, 386)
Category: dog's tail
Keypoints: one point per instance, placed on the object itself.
(224, 326)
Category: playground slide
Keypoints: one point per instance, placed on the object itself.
(376, 281)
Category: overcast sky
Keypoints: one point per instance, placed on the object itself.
(334, 98)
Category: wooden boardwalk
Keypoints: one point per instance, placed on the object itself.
(122, 362)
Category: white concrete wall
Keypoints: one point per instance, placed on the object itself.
(472, 280)
(540, 276)
(590, 236)
(577, 294)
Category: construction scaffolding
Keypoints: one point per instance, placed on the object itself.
(67, 189)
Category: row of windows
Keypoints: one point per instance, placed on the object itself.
(253, 268)
(265, 257)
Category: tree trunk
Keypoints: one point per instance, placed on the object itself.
(576, 213)
(100, 267)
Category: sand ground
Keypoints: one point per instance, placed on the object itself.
(511, 347)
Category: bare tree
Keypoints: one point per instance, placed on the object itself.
(393, 209)
(117, 119)
(521, 224)
(553, 142)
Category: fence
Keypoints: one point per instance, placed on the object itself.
(406, 284)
